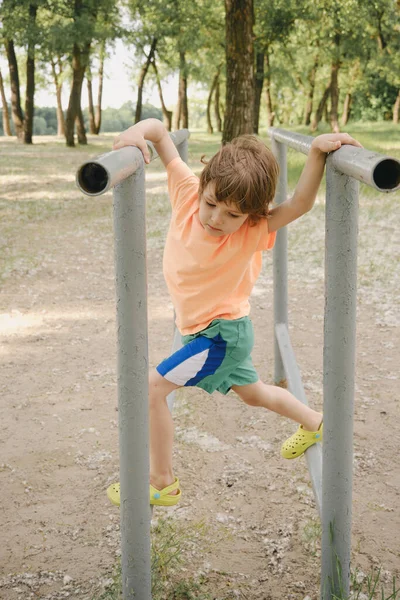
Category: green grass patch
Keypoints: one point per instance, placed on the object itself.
(370, 587)
(170, 541)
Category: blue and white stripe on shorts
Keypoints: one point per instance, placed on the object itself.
(190, 364)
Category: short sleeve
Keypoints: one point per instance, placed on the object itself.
(267, 239)
(183, 184)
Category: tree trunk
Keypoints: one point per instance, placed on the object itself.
(381, 40)
(217, 111)
(92, 124)
(310, 99)
(167, 114)
(327, 112)
(142, 76)
(321, 107)
(6, 115)
(259, 84)
(97, 116)
(16, 109)
(79, 63)
(396, 109)
(80, 128)
(334, 116)
(178, 113)
(239, 114)
(60, 113)
(346, 109)
(210, 95)
(268, 99)
(183, 111)
(30, 78)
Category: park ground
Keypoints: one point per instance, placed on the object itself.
(247, 520)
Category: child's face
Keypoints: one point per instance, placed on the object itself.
(219, 218)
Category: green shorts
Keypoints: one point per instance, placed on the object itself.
(215, 358)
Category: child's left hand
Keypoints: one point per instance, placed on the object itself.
(329, 142)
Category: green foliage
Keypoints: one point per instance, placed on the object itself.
(370, 587)
(113, 119)
(363, 36)
(374, 97)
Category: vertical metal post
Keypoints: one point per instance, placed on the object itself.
(339, 364)
(131, 290)
(280, 262)
(183, 150)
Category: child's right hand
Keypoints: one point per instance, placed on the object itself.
(132, 137)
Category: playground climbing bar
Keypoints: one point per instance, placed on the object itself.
(345, 168)
(123, 170)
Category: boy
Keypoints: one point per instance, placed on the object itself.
(219, 226)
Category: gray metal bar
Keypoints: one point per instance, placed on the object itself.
(301, 143)
(280, 262)
(124, 170)
(131, 292)
(343, 168)
(183, 147)
(339, 365)
(314, 453)
(97, 176)
(376, 170)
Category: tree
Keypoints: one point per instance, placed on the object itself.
(84, 13)
(142, 76)
(239, 116)
(13, 16)
(210, 96)
(88, 21)
(95, 113)
(167, 114)
(152, 22)
(20, 29)
(16, 110)
(53, 53)
(384, 26)
(30, 72)
(57, 72)
(274, 21)
(6, 116)
(175, 35)
(207, 59)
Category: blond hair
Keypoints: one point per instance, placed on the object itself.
(245, 172)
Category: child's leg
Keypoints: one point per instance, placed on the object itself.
(161, 440)
(161, 431)
(280, 401)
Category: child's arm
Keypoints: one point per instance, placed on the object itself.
(306, 190)
(152, 130)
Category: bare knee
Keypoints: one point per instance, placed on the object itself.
(159, 387)
(250, 394)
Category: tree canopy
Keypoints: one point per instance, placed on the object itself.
(309, 60)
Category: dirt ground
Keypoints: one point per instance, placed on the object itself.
(59, 433)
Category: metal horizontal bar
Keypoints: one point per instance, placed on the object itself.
(301, 143)
(314, 453)
(97, 176)
(374, 169)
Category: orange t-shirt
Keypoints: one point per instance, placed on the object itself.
(208, 277)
